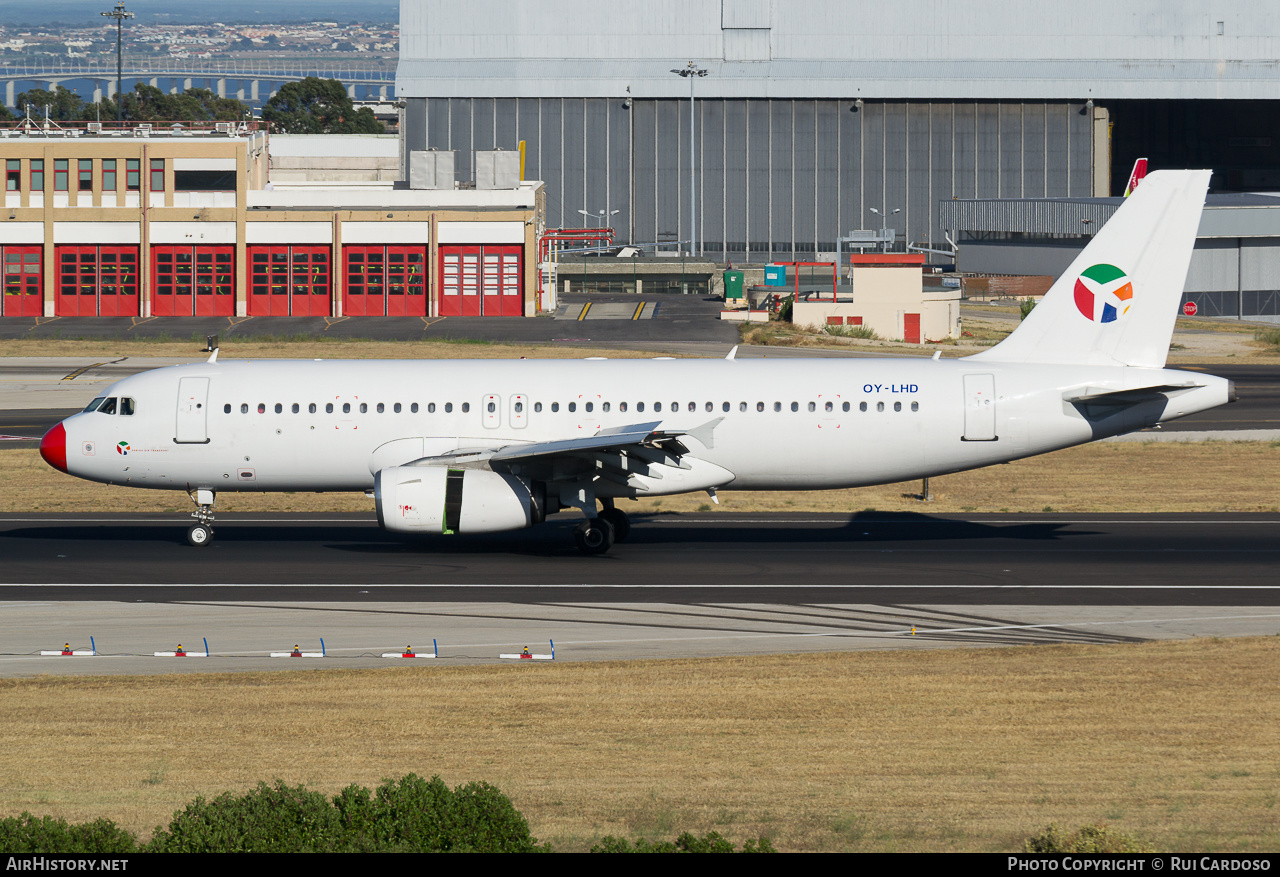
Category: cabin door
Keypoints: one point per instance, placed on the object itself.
(193, 410)
(980, 408)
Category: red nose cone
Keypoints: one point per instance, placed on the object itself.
(53, 447)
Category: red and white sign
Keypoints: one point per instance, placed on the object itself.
(1189, 309)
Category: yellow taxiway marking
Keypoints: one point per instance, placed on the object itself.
(582, 316)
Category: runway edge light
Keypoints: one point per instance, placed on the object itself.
(526, 655)
(296, 652)
(410, 653)
(68, 652)
(180, 652)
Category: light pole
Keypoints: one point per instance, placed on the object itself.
(884, 221)
(691, 71)
(599, 215)
(119, 14)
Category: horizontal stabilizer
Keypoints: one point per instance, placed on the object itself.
(1132, 396)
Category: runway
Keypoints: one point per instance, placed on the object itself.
(687, 585)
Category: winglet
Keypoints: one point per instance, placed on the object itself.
(733, 353)
(213, 357)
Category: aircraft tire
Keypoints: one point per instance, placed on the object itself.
(199, 535)
(619, 521)
(593, 536)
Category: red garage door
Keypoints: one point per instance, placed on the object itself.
(481, 281)
(386, 281)
(189, 281)
(23, 286)
(289, 280)
(97, 281)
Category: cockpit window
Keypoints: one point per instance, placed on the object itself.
(126, 405)
(108, 406)
(93, 406)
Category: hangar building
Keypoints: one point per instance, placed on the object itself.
(812, 112)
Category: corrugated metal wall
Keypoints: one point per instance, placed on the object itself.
(779, 179)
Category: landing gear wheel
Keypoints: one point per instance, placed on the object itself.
(593, 536)
(200, 535)
(619, 521)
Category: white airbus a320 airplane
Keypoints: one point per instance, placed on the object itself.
(479, 446)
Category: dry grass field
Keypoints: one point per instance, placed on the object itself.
(1103, 477)
(904, 750)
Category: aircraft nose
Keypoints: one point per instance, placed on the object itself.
(53, 447)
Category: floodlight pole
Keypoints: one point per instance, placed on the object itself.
(690, 72)
(119, 14)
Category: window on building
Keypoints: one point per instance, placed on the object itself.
(13, 174)
(85, 170)
(108, 175)
(37, 174)
(157, 174)
(61, 170)
(198, 181)
(133, 174)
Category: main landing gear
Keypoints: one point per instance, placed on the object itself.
(201, 532)
(597, 535)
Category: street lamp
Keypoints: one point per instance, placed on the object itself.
(691, 71)
(884, 221)
(600, 215)
(119, 14)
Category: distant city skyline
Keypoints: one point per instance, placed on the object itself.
(77, 13)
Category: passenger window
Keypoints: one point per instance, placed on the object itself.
(396, 409)
(466, 406)
(226, 409)
(759, 406)
(879, 406)
(346, 407)
(640, 406)
(845, 407)
(675, 406)
(693, 406)
(328, 408)
(381, 408)
(364, 407)
(657, 406)
(413, 409)
(262, 408)
(897, 406)
(126, 406)
(448, 408)
(108, 406)
(590, 406)
(622, 406)
(724, 407)
(296, 408)
(573, 406)
(915, 406)
(795, 406)
(519, 407)
(710, 407)
(555, 407)
(742, 406)
(777, 406)
(311, 409)
(862, 406)
(605, 407)
(93, 406)
(279, 408)
(813, 407)
(537, 407)
(829, 407)
(431, 408)
(244, 409)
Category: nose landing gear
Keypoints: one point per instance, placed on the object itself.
(201, 532)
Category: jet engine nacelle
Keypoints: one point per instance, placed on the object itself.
(435, 499)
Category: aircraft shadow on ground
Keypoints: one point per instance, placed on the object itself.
(554, 538)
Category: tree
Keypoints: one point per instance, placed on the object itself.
(64, 105)
(146, 103)
(317, 106)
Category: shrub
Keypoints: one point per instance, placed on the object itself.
(268, 819)
(1025, 306)
(1090, 839)
(864, 332)
(712, 842)
(36, 834)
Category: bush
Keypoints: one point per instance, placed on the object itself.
(864, 332)
(1090, 839)
(1025, 306)
(35, 834)
(405, 815)
(685, 843)
(268, 819)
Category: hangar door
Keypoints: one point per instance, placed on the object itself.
(97, 281)
(385, 281)
(192, 281)
(23, 289)
(480, 281)
(288, 280)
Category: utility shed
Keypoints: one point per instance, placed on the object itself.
(887, 296)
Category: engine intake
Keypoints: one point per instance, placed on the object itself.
(434, 499)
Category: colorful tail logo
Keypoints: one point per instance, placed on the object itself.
(1103, 293)
(1136, 176)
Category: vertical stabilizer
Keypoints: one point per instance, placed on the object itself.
(1137, 175)
(1117, 303)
